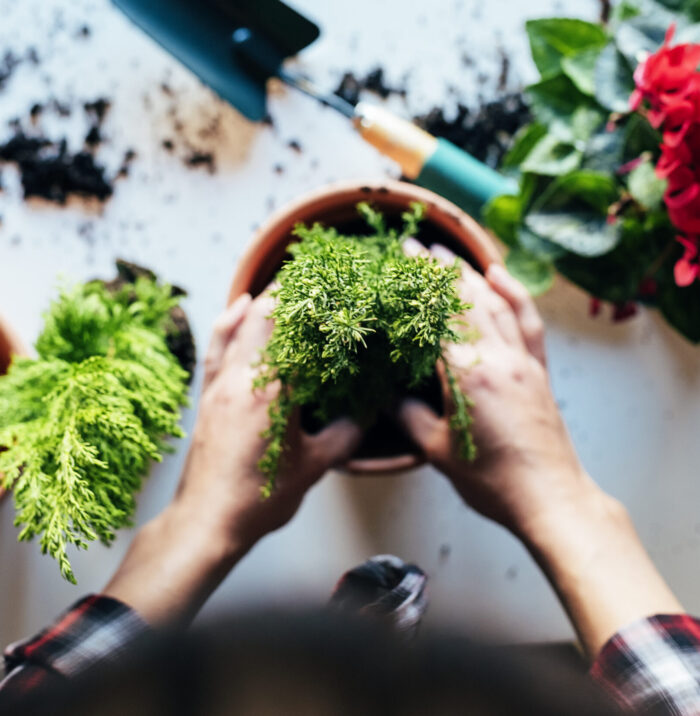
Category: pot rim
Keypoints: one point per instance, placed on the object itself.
(466, 231)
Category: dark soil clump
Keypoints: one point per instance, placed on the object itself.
(197, 158)
(351, 86)
(48, 170)
(486, 133)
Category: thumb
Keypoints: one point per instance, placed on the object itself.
(423, 425)
(334, 444)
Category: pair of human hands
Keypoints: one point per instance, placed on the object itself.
(525, 459)
(526, 476)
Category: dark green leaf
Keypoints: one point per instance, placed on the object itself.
(535, 273)
(538, 246)
(616, 276)
(594, 189)
(640, 137)
(645, 32)
(613, 80)
(552, 157)
(503, 215)
(567, 113)
(582, 233)
(645, 187)
(604, 151)
(523, 144)
(580, 69)
(552, 39)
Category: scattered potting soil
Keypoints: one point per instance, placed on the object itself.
(197, 158)
(97, 108)
(94, 136)
(195, 149)
(129, 156)
(48, 170)
(10, 61)
(351, 86)
(295, 146)
(485, 133)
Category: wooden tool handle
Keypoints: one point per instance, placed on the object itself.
(396, 138)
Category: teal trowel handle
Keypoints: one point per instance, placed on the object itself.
(435, 164)
(462, 179)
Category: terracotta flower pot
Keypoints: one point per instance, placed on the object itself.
(10, 345)
(386, 449)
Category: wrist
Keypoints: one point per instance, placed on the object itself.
(580, 519)
(591, 553)
(570, 502)
(173, 565)
(204, 532)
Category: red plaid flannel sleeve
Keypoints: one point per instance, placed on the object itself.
(94, 630)
(654, 665)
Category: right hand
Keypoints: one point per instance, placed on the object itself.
(527, 475)
(526, 462)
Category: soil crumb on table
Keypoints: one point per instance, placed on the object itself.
(47, 168)
(351, 86)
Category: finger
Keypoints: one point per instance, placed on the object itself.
(529, 319)
(445, 392)
(490, 313)
(224, 330)
(332, 446)
(426, 428)
(412, 247)
(254, 330)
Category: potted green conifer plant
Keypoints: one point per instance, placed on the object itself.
(81, 422)
(357, 322)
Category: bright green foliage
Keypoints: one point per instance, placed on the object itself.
(83, 420)
(356, 323)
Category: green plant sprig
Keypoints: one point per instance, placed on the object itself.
(81, 422)
(357, 322)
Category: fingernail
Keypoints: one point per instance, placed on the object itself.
(412, 247)
(442, 254)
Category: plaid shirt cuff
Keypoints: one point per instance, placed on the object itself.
(652, 664)
(94, 630)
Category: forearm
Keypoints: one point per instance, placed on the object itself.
(173, 565)
(592, 555)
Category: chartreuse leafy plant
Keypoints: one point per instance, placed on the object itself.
(591, 204)
(80, 423)
(357, 322)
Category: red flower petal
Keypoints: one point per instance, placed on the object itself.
(685, 273)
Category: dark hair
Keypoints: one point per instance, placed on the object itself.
(313, 664)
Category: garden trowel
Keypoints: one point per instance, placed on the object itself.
(235, 46)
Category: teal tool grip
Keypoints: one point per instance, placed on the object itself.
(459, 177)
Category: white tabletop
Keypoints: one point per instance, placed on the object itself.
(630, 393)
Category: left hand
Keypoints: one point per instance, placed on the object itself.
(177, 560)
(221, 479)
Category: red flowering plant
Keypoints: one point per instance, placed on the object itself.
(668, 83)
(609, 168)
